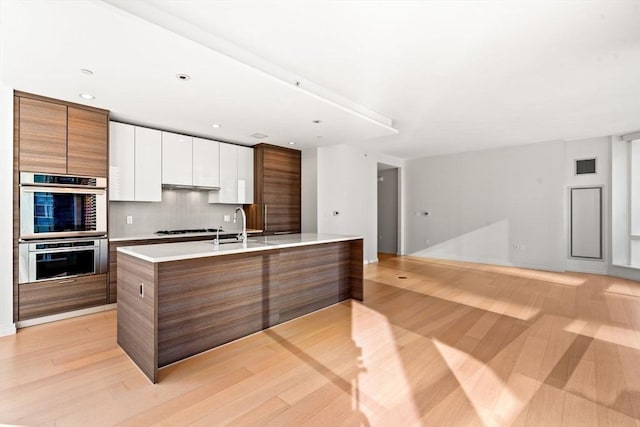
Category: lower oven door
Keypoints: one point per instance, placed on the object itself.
(55, 260)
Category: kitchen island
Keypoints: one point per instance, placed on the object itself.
(176, 300)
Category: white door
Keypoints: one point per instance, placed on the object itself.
(121, 161)
(586, 222)
(206, 162)
(177, 154)
(148, 165)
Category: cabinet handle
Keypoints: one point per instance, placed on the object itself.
(265, 217)
(62, 282)
(141, 290)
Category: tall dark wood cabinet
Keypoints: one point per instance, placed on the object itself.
(277, 182)
(56, 137)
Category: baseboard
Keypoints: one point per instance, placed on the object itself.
(9, 329)
(370, 261)
(491, 261)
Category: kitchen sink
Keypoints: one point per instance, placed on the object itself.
(232, 240)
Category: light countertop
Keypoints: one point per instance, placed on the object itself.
(165, 252)
(154, 236)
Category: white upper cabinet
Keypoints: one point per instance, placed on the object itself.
(245, 175)
(148, 165)
(177, 155)
(135, 162)
(228, 192)
(206, 163)
(236, 176)
(121, 161)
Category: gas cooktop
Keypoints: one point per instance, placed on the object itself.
(192, 230)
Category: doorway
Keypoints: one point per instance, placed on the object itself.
(387, 210)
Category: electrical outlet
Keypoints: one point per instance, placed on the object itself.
(227, 218)
(129, 219)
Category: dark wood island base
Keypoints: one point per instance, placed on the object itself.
(168, 311)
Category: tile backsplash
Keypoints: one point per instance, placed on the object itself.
(179, 209)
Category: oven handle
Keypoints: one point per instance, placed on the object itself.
(62, 282)
(42, 184)
(61, 250)
(70, 190)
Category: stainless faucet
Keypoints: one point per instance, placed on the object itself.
(216, 241)
(242, 236)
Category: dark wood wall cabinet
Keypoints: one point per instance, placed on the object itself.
(61, 138)
(277, 184)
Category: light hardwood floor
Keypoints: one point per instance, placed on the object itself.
(435, 343)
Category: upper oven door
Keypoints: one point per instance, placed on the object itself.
(53, 212)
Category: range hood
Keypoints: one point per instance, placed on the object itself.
(188, 187)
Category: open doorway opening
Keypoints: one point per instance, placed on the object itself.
(387, 210)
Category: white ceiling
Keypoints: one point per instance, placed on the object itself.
(452, 76)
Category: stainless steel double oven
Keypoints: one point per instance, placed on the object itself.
(63, 226)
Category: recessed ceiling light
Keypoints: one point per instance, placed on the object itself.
(86, 71)
(317, 121)
(87, 96)
(183, 77)
(216, 125)
(259, 135)
(292, 143)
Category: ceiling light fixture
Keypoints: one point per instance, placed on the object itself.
(183, 77)
(259, 135)
(216, 125)
(292, 143)
(87, 96)
(86, 71)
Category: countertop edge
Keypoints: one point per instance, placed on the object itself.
(173, 236)
(266, 247)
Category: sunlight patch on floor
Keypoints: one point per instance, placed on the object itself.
(623, 289)
(380, 379)
(501, 306)
(495, 402)
(604, 332)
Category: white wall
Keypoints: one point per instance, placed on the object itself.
(501, 206)
(6, 210)
(586, 149)
(347, 183)
(309, 190)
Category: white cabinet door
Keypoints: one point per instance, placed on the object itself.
(177, 153)
(121, 162)
(148, 165)
(245, 175)
(228, 192)
(206, 163)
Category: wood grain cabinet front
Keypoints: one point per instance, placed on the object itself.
(87, 142)
(61, 138)
(58, 296)
(277, 201)
(43, 136)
